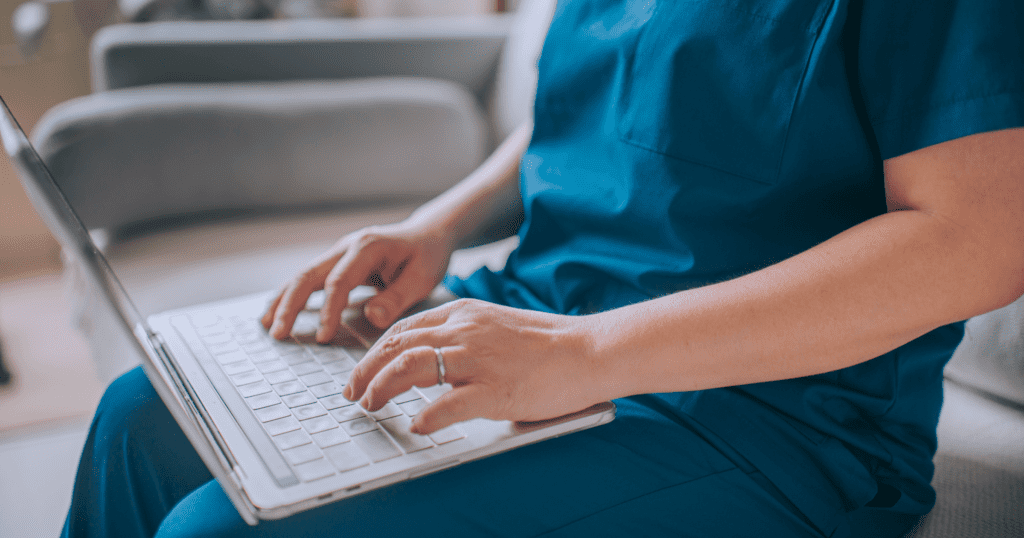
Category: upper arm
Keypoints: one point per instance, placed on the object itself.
(974, 187)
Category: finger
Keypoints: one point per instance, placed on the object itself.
(293, 298)
(412, 286)
(457, 405)
(385, 351)
(413, 367)
(268, 317)
(350, 271)
(428, 318)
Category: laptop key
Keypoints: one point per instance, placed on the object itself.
(356, 353)
(296, 358)
(281, 425)
(237, 367)
(359, 426)
(245, 378)
(263, 400)
(295, 400)
(398, 427)
(316, 378)
(328, 354)
(271, 366)
(248, 337)
(302, 454)
(216, 328)
(288, 387)
(314, 470)
(204, 319)
(413, 407)
(433, 392)
(389, 410)
(231, 358)
(333, 436)
(347, 413)
(217, 338)
(257, 347)
(253, 389)
(273, 412)
(318, 424)
(285, 348)
(226, 347)
(406, 396)
(306, 368)
(334, 401)
(339, 367)
(263, 356)
(377, 446)
(280, 376)
(345, 457)
(309, 411)
(326, 389)
(291, 439)
(447, 435)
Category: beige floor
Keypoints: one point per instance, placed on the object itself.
(54, 378)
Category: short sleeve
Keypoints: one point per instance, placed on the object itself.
(935, 70)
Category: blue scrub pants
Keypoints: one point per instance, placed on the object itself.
(647, 473)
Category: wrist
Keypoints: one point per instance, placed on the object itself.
(607, 362)
(432, 227)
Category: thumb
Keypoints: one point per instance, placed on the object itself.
(385, 307)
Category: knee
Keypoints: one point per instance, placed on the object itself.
(128, 404)
(205, 513)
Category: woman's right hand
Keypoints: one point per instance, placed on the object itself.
(404, 261)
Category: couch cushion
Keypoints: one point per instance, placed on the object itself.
(979, 468)
(991, 356)
(975, 500)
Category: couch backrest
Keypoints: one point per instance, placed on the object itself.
(459, 49)
(138, 154)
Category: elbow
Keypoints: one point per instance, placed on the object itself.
(1003, 275)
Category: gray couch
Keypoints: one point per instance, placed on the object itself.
(215, 159)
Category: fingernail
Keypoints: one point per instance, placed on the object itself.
(347, 393)
(364, 402)
(376, 314)
(415, 428)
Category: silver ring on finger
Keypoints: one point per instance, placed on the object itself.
(440, 366)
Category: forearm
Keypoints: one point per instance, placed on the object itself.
(847, 300)
(486, 205)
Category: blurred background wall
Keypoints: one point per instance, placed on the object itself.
(59, 71)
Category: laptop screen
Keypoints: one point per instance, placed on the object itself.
(60, 218)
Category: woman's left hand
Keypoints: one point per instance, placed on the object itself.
(504, 364)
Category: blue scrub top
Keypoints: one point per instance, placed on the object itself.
(680, 143)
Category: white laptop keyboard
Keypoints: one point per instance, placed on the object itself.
(294, 391)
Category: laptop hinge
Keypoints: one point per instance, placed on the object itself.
(190, 398)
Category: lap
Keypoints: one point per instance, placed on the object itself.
(647, 472)
(644, 473)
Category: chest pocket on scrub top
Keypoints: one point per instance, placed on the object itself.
(715, 83)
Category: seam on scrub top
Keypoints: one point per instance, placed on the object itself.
(698, 163)
(800, 89)
(631, 499)
(936, 106)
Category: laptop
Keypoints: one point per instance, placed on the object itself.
(267, 417)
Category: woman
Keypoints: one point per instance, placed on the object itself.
(756, 226)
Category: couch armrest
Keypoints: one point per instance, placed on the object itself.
(460, 49)
(139, 154)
